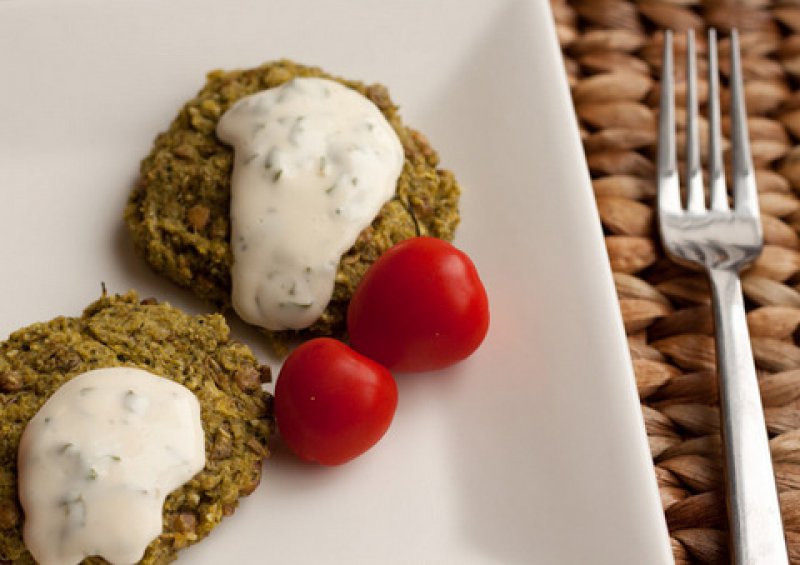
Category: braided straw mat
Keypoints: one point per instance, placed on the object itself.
(612, 52)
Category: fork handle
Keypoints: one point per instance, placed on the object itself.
(753, 510)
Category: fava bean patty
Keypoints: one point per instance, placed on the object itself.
(194, 351)
(178, 213)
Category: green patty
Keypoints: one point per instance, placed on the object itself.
(194, 351)
(178, 214)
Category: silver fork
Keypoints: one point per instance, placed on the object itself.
(722, 241)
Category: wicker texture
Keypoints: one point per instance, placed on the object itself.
(612, 54)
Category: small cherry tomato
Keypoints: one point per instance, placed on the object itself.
(421, 306)
(331, 403)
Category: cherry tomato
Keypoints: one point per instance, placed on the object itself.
(331, 403)
(421, 306)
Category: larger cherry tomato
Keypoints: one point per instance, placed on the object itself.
(331, 403)
(420, 306)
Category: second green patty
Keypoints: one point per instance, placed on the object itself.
(178, 214)
(194, 351)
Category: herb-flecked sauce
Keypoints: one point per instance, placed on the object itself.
(97, 461)
(314, 163)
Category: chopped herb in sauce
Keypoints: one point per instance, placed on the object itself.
(272, 158)
(75, 510)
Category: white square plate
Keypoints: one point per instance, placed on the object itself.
(533, 450)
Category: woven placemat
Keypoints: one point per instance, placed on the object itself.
(612, 53)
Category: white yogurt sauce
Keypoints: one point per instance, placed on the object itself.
(97, 461)
(315, 161)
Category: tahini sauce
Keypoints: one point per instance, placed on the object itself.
(97, 461)
(314, 163)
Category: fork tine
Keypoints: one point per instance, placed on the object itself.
(716, 171)
(695, 201)
(744, 184)
(669, 197)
